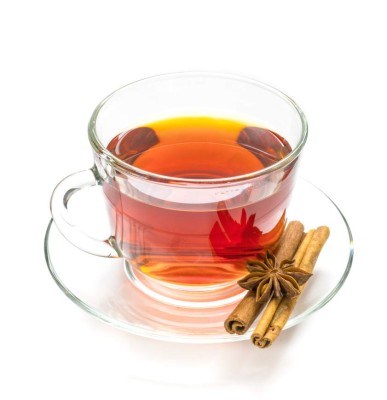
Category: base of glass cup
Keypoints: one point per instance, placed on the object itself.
(203, 296)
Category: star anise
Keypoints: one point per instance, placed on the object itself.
(269, 278)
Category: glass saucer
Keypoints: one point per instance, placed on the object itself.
(100, 286)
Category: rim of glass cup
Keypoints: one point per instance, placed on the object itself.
(121, 165)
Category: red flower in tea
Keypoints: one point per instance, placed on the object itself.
(232, 239)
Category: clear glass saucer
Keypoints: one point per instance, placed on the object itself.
(100, 286)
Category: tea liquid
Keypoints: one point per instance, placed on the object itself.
(192, 242)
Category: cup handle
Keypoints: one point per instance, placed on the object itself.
(62, 218)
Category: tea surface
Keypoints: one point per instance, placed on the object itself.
(199, 148)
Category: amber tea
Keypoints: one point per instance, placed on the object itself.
(191, 241)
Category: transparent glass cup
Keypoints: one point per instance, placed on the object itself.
(143, 206)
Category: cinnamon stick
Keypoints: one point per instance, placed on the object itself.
(305, 259)
(270, 310)
(245, 313)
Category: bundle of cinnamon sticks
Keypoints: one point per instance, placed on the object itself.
(304, 249)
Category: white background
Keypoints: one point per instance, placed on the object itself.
(59, 59)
